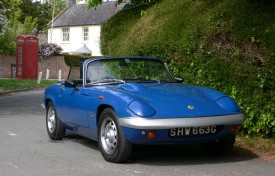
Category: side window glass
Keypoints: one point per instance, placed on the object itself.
(75, 75)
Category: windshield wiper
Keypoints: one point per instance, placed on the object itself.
(141, 79)
(107, 81)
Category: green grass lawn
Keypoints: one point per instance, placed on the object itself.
(7, 85)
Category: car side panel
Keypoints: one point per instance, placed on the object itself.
(100, 96)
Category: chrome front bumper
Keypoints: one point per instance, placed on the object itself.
(146, 123)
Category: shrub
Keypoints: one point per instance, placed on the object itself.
(227, 45)
(74, 60)
(49, 49)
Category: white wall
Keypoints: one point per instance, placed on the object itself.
(76, 39)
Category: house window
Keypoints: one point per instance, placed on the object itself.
(85, 32)
(65, 34)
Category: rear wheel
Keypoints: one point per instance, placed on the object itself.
(111, 140)
(54, 127)
(219, 147)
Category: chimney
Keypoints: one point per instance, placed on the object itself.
(71, 3)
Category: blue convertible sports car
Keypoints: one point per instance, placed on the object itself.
(122, 101)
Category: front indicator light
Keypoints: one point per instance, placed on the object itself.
(151, 134)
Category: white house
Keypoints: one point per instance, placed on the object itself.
(78, 29)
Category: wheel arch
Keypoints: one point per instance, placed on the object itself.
(47, 100)
(100, 109)
(50, 99)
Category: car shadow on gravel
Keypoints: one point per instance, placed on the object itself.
(165, 155)
(71, 137)
(187, 154)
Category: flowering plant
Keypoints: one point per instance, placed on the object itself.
(49, 49)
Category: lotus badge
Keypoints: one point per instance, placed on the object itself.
(190, 107)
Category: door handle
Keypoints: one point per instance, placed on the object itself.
(84, 94)
(61, 88)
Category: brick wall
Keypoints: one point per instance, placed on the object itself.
(53, 63)
(5, 66)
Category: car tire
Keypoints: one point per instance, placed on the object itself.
(111, 140)
(219, 147)
(55, 129)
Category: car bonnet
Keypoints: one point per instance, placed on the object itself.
(174, 100)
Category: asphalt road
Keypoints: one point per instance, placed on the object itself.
(26, 150)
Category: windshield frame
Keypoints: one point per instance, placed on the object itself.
(125, 80)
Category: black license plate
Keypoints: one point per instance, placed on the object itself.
(194, 131)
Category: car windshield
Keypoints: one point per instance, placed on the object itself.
(127, 70)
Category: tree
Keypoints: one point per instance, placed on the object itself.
(19, 17)
(3, 20)
(13, 26)
(11, 8)
(42, 10)
(59, 5)
(33, 9)
(16, 28)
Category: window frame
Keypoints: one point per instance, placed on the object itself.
(85, 34)
(65, 34)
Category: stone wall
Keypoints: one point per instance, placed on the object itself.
(53, 63)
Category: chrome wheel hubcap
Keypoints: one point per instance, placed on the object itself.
(108, 135)
(51, 119)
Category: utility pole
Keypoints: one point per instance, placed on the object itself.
(51, 38)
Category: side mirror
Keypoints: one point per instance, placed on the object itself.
(70, 83)
(179, 80)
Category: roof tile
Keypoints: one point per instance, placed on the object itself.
(79, 15)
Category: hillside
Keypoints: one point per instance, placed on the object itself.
(224, 44)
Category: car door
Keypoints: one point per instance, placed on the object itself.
(73, 105)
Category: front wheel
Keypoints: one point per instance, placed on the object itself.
(111, 140)
(219, 147)
(54, 127)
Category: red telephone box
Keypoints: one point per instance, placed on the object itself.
(26, 57)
